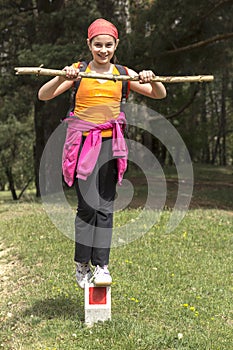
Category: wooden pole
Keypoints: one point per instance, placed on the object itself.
(169, 79)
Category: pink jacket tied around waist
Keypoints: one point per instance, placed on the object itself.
(85, 162)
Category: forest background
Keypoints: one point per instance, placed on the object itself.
(171, 38)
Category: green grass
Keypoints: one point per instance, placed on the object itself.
(170, 291)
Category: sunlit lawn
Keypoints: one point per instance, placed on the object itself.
(170, 291)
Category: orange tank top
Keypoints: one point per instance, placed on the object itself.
(98, 101)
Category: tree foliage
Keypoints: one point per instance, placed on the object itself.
(191, 38)
(185, 38)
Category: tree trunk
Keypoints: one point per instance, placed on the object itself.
(122, 12)
(205, 156)
(39, 141)
(220, 110)
(223, 157)
(10, 179)
(42, 119)
(24, 188)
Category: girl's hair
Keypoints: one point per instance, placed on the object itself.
(114, 59)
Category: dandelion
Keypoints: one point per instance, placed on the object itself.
(128, 261)
(185, 234)
(134, 299)
(180, 335)
(192, 308)
(185, 305)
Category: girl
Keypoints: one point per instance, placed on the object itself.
(95, 147)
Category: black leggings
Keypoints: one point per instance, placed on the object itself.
(94, 219)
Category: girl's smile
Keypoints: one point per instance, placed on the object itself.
(102, 48)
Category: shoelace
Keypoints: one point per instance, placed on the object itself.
(97, 270)
(100, 269)
(83, 269)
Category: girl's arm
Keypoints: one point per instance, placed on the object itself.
(58, 85)
(145, 87)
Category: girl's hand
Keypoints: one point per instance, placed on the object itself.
(145, 76)
(71, 73)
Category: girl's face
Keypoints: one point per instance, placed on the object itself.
(102, 48)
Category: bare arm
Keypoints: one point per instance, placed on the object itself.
(58, 85)
(145, 87)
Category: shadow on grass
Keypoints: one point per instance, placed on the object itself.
(56, 307)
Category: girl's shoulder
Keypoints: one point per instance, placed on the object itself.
(131, 72)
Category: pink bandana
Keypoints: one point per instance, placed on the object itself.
(101, 26)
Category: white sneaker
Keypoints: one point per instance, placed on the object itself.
(101, 276)
(83, 274)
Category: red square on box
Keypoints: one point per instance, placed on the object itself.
(97, 295)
